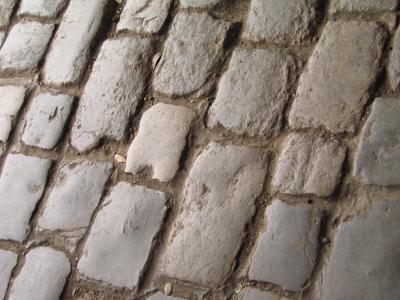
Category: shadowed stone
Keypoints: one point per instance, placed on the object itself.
(6, 8)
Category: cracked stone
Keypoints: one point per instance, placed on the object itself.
(22, 183)
(6, 8)
(8, 260)
(286, 250)
(334, 87)
(394, 62)
(122, 235)
(72, 42)
(160, 141)
(219, 197)
(309, 165)
(25, 46)
(365, 259)
(144, 16)
(41, 8)
(192, 54)
(11, 100)
(251, 100)
(161, 296)
(46, 120)
(112, 92)
(43, 275)
(199, 3)
(362, 5)
(378, 153)
(281, 21)
(250, 293)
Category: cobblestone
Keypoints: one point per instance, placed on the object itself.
(255, 294)
(25, 46)
(121, 238)
(334, 87)
(394, 62)
(363, 5)
(6, 8)
(21, 186)
(45, 272)
(161, 296)
(250, 101)
(8, 260)
(41, 8)
(199, 3)
(219, 200)
(46, 120)
(160, 141)
(188, 63)
(309, 165)
(112, 93)
(72, 42)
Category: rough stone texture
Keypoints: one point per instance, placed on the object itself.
(365, 259)
(286, 250)
(113, 91)
(144, 16)
(251, 100)
(21, 186)
(43, 275)
(378, 153)
(6, 8)
(41, 8)
(161, 296)
(308, 165)
(11, 100)
(254, 294)
(334, 87)
(187, 62)
(25, 46)
(2, 37)
(362, 5)
(199, 3)
(72, 42)
(394, 62)
(280, 21)
(8, 260)
(121, 237)
(160, 141)
(46, 120)
(219, 200)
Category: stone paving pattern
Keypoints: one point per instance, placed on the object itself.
(200, 149)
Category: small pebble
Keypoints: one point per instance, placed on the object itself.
(120, 159)
(168, 289)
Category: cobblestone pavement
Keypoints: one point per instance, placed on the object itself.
(199, 149)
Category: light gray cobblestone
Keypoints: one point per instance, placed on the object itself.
(199, 3)
(8, 260)
(255, 294)
(363, 5)
(6, 8)
(41, 8)
(394, 62)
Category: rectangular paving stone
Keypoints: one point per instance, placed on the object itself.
(160, 141)
(6, 8)
(253, 92)
(72, 42)
(144, 16)
(21, 186)
(219, 197)
(43, 275)
(286, 250)
(192, 54)
(46, 120)
(280, 21)
(122, 235)
(112, 92)
(309, 165)
(362, 5)
(25, 46)
(394, 62)
(250, 293)
(334, 87)
(8, 260)
(365, 259)
(41, 8)
(199, 3)
(378, 153)
(11, 100)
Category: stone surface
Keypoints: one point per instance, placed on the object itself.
(219, 197)
(308, 165)
(25, 46)
(287, 248)
(334, 87)
(41, 8)
(121, 237)
(113, 91)
(144, 16)
(161, 296)
(11, 100)
(46, 120)
(21, 186)
(8, 260)
(251, 100)
(72, 42)
(280, 21)
(6, 8)
(43, 275)
(378, 154)
(187, 62)
(199, 3)
(394, 62)
(362, 5)
(160, 141)
(250, 293)
(365, 259)
(2, 37)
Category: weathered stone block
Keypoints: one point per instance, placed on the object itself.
(41, 8)
(199, 3)
(362, 5)
(394, 62)
(8, 260)
(6, 8)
